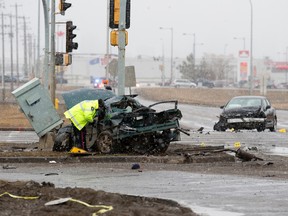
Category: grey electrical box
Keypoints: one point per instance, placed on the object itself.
(37, 106)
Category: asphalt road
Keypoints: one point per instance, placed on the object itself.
(206, 194)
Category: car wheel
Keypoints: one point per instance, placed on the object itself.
(218, 127)
(274, 127)
(261, 128)
(63, 140)
(105, 142)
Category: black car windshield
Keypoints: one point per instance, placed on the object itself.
(243, 102)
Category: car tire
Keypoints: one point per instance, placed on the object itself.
(105, 142)
(274, 127)
(63, 140)
(261, 128)
(218, 127)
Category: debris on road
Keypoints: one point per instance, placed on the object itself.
(8, 167)
(135, 166)
(246, 156)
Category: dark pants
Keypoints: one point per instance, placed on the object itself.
(80, 137)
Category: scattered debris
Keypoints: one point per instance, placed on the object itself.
(75, 151)
(8, 167)
(200, 129)
(58, 201)
(241, 154)
(269, 176)
(253, 148)
(135, 166)
(245, 156)
(268, 163)
(49, 174)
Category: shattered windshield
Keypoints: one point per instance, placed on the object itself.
(243, 102)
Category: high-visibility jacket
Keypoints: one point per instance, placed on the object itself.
(82, 113)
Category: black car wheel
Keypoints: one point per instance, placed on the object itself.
(62, 142)
(219, 127)
(105, 142)
(261, 127)
(274, 127)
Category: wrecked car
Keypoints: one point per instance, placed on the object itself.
(127, 126)
(247, 112)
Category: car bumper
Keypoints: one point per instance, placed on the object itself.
(243, 120)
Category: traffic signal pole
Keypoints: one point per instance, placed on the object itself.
(46, 57)
(121, 48)
(52, 54)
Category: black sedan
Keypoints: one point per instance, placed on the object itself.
(247, 112)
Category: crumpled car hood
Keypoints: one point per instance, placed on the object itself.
(243, 112)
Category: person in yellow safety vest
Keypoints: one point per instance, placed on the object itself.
(80, 115)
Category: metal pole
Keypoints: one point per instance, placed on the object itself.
(163, 65)
(107, 41)
(46, 56)
(25, 49)
(37, 61)
(30, 54)
(251, 51)
(172, 73)
(194, 51)
(286, 65)
(121, 48)
(3, 59)
(17, 48)
(11, 46)
(52, 54)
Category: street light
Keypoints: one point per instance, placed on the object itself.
(172, 74)
(286, 65)
(251, 51)
(241, 38)
(194, 46)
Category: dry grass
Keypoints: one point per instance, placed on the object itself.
(12, 117)
(210, 97)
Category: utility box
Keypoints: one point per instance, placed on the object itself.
(37, 106)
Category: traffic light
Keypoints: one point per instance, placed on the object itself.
(70, 45)
(114, 15)
(63, 6)
(114, 37)
(59, 59)
(63, 59)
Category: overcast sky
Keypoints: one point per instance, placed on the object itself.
(214, 22)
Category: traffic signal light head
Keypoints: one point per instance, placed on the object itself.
(114, 14)
(63, 6)
(70, 45)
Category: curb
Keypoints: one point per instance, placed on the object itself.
(117, 159)
(83, 159)
(16, 129)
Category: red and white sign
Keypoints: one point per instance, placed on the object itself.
(243, 53)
